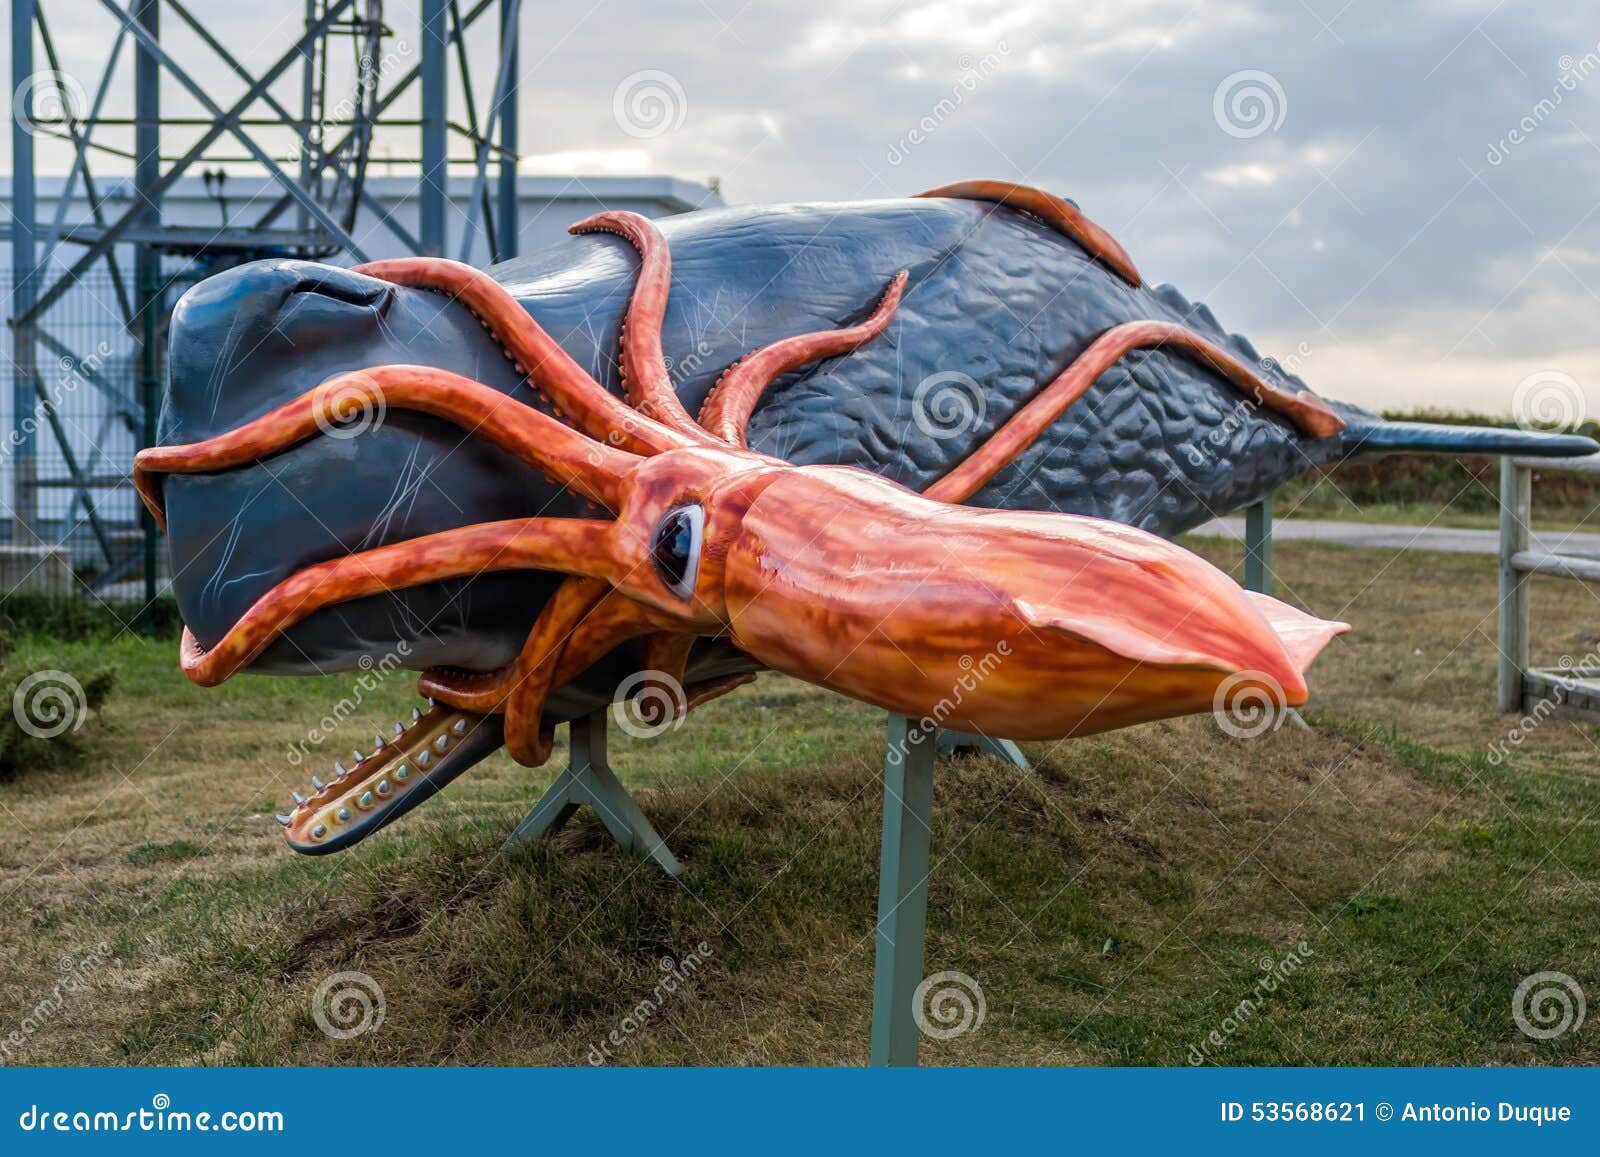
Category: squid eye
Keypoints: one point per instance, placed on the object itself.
(675, 548)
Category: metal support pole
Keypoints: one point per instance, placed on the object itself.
(506, 225)
(435, 143)
(1516, 512)
(902, 890)
(588, 779)
(147, 260)
(226, 121)
(150, 40)
(24, 280)
(1258, 546)
(308, 87)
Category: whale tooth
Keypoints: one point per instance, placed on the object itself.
(284, 820)
(383, 787)
(357, 756)
(338, 770)
(317, 783)
(377, 741)
(398, 731)
(429, 701)
(319, 831)
(342, 815)
(459, 727)
(298, 798)
(365, 800)
(424, 757)
(415, 715)
(442, 742)
(402, 773)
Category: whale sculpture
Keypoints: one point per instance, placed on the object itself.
(861, 444)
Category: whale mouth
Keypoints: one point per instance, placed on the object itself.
(400, 772)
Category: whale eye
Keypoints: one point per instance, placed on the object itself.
(675, 548)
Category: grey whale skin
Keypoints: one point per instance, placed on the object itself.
(995, 297)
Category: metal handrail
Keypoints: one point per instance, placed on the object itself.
(1518, 561)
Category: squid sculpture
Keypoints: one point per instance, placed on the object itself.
(859, 444)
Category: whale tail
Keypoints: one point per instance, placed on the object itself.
(1366, 433)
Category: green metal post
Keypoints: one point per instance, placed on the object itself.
(147, 266)
(1516, 513)
(1258, 546)
(902, 890)
(588, 779)
(434, 190)
(24, 275)
(506, 224)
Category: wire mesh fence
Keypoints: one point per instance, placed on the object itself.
(70, 433)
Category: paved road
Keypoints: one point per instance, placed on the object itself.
(1439, 538)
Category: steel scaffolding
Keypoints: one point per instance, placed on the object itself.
(323, 184)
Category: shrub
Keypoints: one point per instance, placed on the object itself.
(79, 618)
(43, 713)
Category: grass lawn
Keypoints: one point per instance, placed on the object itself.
(1116, 905)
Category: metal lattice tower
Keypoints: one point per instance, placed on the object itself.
(370, 76)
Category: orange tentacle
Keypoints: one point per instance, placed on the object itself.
(1310, 413)
(564, 455)
(551, 369)
(486, 692)
(705, 692)
(733, 399)
(668, 653)
(612, 622)
(583, 621)
(578, 546)
(1060, 214)
(644, 368)
(616, 620)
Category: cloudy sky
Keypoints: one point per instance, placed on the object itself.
(1401, 196)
